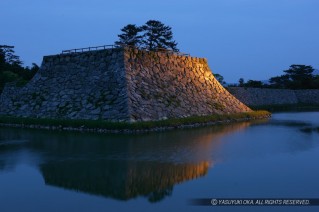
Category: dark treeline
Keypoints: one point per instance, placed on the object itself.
(153, 35)
(11, 69)
(296, 77)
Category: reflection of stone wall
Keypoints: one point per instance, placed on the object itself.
(263, 96)
(121, 179)
(120, 84)
(118, 166)
(127, 167)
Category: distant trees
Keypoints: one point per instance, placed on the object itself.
(316, 81)
(279, 81)
(11, 67)
(296, 77)
(153, 35)
(220, 78)
(8, 57)
(254, 84)
(249, 83)
(241, 82)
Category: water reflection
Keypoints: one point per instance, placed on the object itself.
(121, 179)
(284, 123)
(117, 166)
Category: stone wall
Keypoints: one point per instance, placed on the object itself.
(162, 85)
(88, 85)
(120, 85)
(309, 96)
(264, 96)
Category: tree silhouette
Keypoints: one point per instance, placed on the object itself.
(7, 55)
(254, 84)
(11, 69)
(220, 78)
(130, 36)
(241, 82)
(280, 81)
(300, 76)
(296, 77)
(158, 36)
(153, 35)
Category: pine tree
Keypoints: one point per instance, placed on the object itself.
(130, 36)
(7, 55)
(241, 82)
(11, 67)
(157, 36)
(300, 75)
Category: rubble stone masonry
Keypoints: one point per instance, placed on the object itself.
(122, 84)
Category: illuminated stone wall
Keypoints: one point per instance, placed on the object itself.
(162, 85)
(120, 84)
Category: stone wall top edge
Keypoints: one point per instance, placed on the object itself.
(92, 52)
(123, 49)
(118, 50)
(129, 49)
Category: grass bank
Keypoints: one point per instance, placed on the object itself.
(117, 127)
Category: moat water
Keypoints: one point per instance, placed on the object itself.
(63, 171)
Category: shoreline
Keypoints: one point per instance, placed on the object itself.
(99, 126)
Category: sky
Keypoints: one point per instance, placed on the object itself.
(252, 39)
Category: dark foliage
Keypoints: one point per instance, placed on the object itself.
(250, 83)
(241, 82)
(158, 36)
(11, 69)
(153, 35)
(254, 84)
(220, 78)
(279, 81)
(130, 36)
(296, 77)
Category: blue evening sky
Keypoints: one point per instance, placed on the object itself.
(253, 39)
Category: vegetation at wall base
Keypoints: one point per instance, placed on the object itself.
(107, 126)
